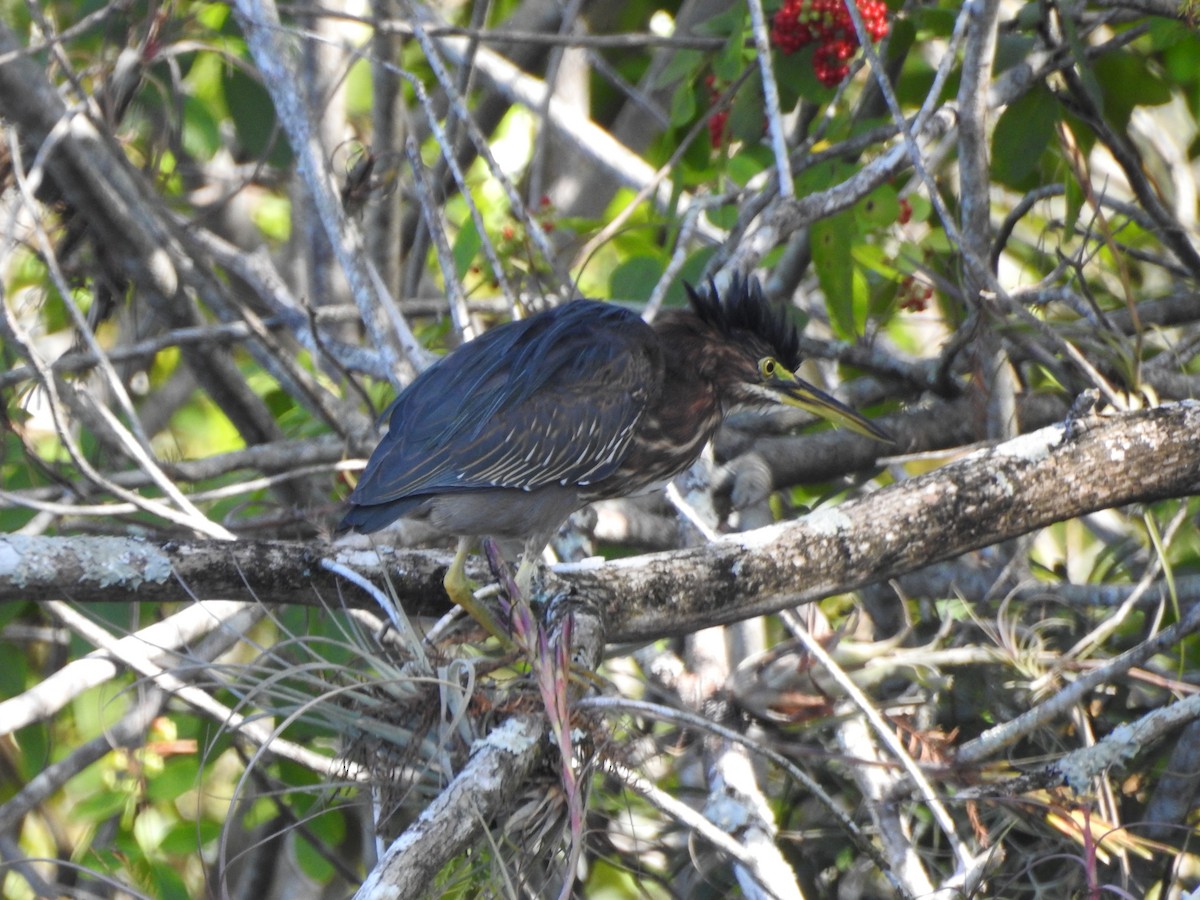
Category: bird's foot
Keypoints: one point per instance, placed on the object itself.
(461, 590)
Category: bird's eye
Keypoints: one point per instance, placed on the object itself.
(767, 367)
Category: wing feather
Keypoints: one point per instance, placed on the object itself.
(528, 404)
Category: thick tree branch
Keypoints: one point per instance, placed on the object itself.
(1052, 475)
(445, 828)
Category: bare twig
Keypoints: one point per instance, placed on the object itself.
(259, 21)
(968, 865)
(266, 738)
(1004, 735)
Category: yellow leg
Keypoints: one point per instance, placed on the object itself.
(525, 572)
(462, 591)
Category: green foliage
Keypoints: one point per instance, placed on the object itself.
(1023, 133)
(634, 278)
(1127, 81)
(878, 271)
(254, 118)
(832, 240)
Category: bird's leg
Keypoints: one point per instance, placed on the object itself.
(525, 570)
(462, 591)
(531, 553)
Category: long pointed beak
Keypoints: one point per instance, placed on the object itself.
(796, 392)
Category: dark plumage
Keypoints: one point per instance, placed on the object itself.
(745, 311)
(513, 431)
(548, 402)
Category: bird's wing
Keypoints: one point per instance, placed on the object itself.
(549, 400)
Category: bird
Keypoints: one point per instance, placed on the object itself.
(512, 432)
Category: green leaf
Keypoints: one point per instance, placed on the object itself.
(168, 885)
(872, 258)
(692, 272)
(187, 837)
(879, 209)
(150, 826)
(900, 39)
(179, 774)
(99, 707)
(1182, 58)
(312, 863)
(635, 278)
(329, 826)
(832, 240)
(789, 71)
(467, 245)
(797, 80)
(34, 743)
(724, 216)
(696, 166)
(935, 21)
(1087, 77)
(254, 119)
(100, 806)
(1013, 49)
(1022, 134)
(731, 20)
(683, 66)
(201, 132)
(212, 16)
(1164, 33)
(683, 105)
(860, 302)
(731, 60)
(14, 672)
(205, 82)
(1127, 82)
(748, 162)
(747, 117)
(921, 207)
(273, 216)
(360, 90)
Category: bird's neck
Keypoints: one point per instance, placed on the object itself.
(680, 417)
(690, 368)
(688, 409)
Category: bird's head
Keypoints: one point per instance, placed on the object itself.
(753, 350)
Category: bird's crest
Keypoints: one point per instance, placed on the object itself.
(744, 308)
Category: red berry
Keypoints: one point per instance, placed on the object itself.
(905, 215)
(828, 65)
(841, 49)
(914, 296)
(716, 128)
(874, 13)
(828, 24)
(789, 28)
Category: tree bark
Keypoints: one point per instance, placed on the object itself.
(1051, 475)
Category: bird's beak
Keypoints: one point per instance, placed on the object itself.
(794, 391)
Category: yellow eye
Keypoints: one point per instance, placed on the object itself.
(767, 367)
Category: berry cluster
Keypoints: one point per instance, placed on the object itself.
(514, 248)
(718, 120)
(827, 24)
(914, 296)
